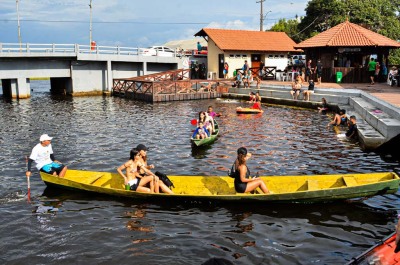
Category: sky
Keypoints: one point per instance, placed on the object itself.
(134, 23)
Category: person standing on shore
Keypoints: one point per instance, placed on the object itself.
(43, 156)
(371, 70)
(319, 71)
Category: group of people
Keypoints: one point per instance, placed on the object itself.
(376, 70)
(246, 77)
(205, 124)
(297, 88)
(341, 119)
(307, 72)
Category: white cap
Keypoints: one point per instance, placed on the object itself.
(45, 137)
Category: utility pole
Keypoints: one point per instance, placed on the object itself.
(261, 14)
(90, 26)
(19, 27)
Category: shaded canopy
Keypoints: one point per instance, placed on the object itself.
(348, 34)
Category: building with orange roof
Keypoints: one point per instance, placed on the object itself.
(347, 48)
(236, 46)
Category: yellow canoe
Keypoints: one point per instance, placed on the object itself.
(308, 188)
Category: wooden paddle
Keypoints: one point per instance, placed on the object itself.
(29, 182)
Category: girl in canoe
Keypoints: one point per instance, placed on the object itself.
(144, 170)
(243, 181)
(132, 177)
(207, 121)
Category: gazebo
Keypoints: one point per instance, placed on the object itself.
(347, 48)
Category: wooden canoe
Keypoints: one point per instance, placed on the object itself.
(381, 253)
(307, 188)
(208, 140)
(241, 110)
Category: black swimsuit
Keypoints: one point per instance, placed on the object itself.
(240, 186)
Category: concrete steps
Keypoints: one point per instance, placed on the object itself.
(368, 135)
(388, 126)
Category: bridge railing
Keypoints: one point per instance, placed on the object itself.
(27, 48)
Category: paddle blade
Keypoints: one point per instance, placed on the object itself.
(193, 122)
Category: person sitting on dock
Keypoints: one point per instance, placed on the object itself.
(133, 181)
(243, 181)
(309, 91)
(296, 88)
(352, 131)
(43, 156)
(324, 108)
(238, 80)
(201, 132)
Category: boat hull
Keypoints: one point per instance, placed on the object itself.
(241, 110)
(381, 253)
(208, 140)
(221, 188)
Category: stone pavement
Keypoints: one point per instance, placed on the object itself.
(382, 91)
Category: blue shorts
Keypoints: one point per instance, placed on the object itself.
(53, 167)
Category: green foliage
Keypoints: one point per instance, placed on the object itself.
(288, 26)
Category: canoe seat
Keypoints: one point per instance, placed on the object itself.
(313, 184)
(350, 181)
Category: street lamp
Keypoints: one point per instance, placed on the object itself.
(265, 16)
(19, 27)
(90, 25)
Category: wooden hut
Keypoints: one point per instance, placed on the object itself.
(347, 48)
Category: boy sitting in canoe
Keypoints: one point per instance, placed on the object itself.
(201, 132)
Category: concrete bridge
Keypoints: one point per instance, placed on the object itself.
(75, 69)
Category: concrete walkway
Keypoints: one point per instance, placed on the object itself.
(382, 91)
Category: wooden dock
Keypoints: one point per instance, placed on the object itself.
(174, 85)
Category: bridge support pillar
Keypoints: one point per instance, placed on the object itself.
(109, 77)
(19, 88)
(144, 68)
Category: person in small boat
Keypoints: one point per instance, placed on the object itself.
(207, 121)
(257, 104)
(252, 98)
(145, 171)
(44, 158)
(340, 118)
(211, 113)
(201, 132)
(132, 177)
(243, 181)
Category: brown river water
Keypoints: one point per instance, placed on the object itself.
(97, 133)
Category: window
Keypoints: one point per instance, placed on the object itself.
(231, 56)
(244, 55)
(237, 56)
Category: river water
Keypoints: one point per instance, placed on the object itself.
(97, 133)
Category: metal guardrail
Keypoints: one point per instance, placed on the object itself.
(31, 48)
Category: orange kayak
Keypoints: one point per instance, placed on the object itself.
(248, 110)
(381, 253)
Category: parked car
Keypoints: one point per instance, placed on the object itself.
(158, 51)
(297, 60)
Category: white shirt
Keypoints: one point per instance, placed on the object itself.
(41, 155)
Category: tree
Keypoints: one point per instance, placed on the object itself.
(288, 26)
(381, 16)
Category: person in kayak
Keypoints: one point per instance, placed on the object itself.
(132, 177)
(43, 156)
(243, 181)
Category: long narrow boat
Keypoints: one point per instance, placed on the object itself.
(381, 253)
(307, 188)
(208, 140)
(241, 110)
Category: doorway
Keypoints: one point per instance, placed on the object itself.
(221, 61)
